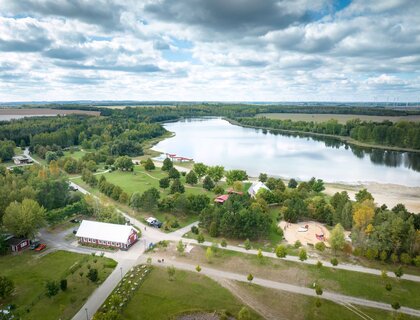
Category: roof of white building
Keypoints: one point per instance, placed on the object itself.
(256, 186)
(104, 231)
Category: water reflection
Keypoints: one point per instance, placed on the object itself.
(216, 141)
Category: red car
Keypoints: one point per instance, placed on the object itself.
(41, 247)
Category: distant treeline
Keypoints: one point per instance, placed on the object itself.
(402, 134)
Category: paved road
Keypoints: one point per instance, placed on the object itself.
(338, 298)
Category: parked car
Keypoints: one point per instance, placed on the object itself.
(75, 221)
(41, 247)
(72, 188)
(34, 244)
(154, 222)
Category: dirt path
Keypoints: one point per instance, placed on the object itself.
(249, 300)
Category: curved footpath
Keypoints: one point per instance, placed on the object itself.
(126, 260)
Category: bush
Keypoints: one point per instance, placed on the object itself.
(200, 238)
(394, 258)
(52, 288)
(247, 244)
(92, 275)
(218, 190)
(405, 258)
(319, 264)
(303, 255)
(280, 232)
(223, 243)
(195, 230)
(399, 272)
(334, 261)
(320, 246)
(63, 284)
(281, 251)
(416, 261)
(395, 305)
(388, 287)
(297, 244)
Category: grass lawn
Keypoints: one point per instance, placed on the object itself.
(29, 272)
(351, 283)
(159, 298)
(293, 306)
(75, 154)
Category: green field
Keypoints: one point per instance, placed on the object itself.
(29, 272)
(334, 280)
(294, 307)
(341, 118)
(75, 154)
(159, 298)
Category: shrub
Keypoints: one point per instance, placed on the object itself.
(334, 261)
(297, 244)
(247, 244)
(200, 238)
(63, 284)
(357, 251)
(223, 243)
(416, 261)
(394, 258)
(388, 287)
(218, 190)
(320, 246)
(280, 232)
(281, 251)
(250, 277)
(395, 305)
(399, 272)
(92, 275)
(303, 255)
(383, 255)
(405, 258)
(198, 268)
(195, 230)
(319, 264)
(52, 288)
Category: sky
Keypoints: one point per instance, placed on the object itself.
(210, 50)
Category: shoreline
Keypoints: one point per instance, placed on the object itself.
(342, 139)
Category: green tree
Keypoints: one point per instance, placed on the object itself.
(337, 239)
(303, 255)
(149, 199)
(92, 275)
(208, 183)
(216, 173)
(281, 251)
(292, 184)
(177, 187)
(200, 169)
(250, 277)
(247, 244)
(25, 218)
(235, 175)
(180, 247)
(124, 163)
(191, 178)
(6, 287)
(174, 173)
(363, 195)
(63, 284)
(167, 164)
(52, 288)
(149, 165)
(260, 255)
(198, 268)
(263, 177)
(164, 183)
(209, 254)
(200, 238)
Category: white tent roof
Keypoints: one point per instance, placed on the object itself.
(256, 186)
(104, 231)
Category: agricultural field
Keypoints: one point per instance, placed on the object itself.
(341, 118)
(187, 292)
(29, 272)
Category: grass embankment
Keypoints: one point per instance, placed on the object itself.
(160, 298)
(351, 283)
(341, 118)
(29, 272)
(295, 307)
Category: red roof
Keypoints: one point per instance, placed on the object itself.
(222, 198)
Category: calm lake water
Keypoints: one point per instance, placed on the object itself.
(217, 142)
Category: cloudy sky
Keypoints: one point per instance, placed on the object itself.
(217, 50)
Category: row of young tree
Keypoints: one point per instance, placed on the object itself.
(402, 134)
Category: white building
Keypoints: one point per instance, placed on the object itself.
(106, 234)
(255, 187)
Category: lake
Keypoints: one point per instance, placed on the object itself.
(217, 142)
